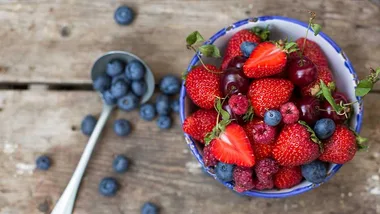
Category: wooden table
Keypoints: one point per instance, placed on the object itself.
(46, 51)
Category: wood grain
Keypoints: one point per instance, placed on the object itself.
(163, 170)
(57, 42)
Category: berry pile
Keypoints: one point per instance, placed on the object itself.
(270, 116)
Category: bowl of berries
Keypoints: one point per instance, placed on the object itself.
(267, 116)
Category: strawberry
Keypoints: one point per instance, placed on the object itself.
(287, 177)
(233, 45)
(200, 123)
(267, 59)
(313, 52)
(340, 147)
(261, 150)
(295, 145)
(269, 93)
(324, 74)
(232, 146)
(202, 86)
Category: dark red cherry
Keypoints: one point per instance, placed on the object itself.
(233, 81)
(309, 109)
(237, 62)
(301, 72)
(237, 118)
(327, 110)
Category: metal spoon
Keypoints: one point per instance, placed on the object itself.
(66, 202)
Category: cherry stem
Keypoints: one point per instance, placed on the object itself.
(312, 17)
(200, 59)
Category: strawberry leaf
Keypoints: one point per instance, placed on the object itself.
(327, 95)
(209, 51)
(313, 136)
(193, 38)
(248, 116)
(316, 28)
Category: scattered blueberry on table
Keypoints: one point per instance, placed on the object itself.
(43, 162)
(164, 122)
(120, 164)
(88, 125)
(108, 186)
(170, 85)
(124, 15)
(163, 104)
(149, 208)
(147, 112)
(122, 127)
(174, 105)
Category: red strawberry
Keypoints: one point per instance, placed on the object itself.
(313, 52)
(233, 147)
(233, 46)
(269, 93)
(294, 146)
(340, 147)
(202, 86)
(261, 150)
(287, 177)
(324, 74)
(267, 59)
(200, 123)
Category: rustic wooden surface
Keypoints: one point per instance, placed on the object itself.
(55, 42)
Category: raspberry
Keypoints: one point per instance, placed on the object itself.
(239, 104)
(209, 158)
(265, 169)
(263, 133)
(262, 185)
(290, 113)
(243, 179)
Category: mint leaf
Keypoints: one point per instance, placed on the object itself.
(316, 28)
(194, 38)
(209, 51)
(327, 95)
(363, 87)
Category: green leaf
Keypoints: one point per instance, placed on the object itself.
(184, 75)
(225, 114)
(327, 95)
(249, 115)
(316, 28)
(262, 33)
(377, 72)
(363, 87)
(209, 51)
(194, 38)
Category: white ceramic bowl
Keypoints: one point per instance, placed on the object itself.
(281, 28)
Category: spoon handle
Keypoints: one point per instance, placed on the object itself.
(65, 204)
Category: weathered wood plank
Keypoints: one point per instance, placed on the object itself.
(57, 42)
(163, 171)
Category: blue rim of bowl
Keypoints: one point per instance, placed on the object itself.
(190, 141)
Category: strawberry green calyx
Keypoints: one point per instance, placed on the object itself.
(248, 116)
(360, 141)
(313, 136)
(287, 47)
(220, 125)
(365, 85)
(263, 33)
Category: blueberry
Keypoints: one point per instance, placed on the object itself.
(224, 171)
(135, 70)
(120, 164)
(147, 112)
(324, 128)
(43, 162)
(115, 67)
(247, 48)
(164, 122)
(149, 208)
(138, 87)
(128, 102)
(272, 117)
(108, 186)
(170, 85)
(174, 105)
(123, 15)
(88, 125)
(121, 77)
(122, 127)
(315, 172)
(119, 89)
(162, 104)
(109, 98)
(102, 83)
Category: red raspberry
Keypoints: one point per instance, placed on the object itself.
(265, 169)
(243, 179)
(239, 104)
(290, 113)
(208, 157)
(263, 133)
(260, 185)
